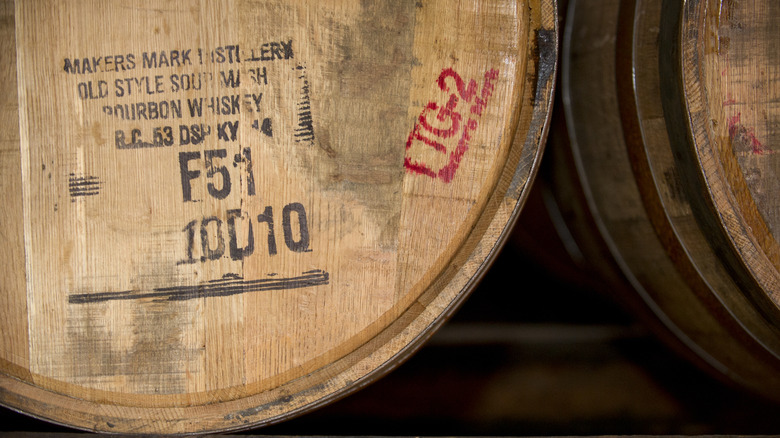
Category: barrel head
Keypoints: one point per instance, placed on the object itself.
(222, 214)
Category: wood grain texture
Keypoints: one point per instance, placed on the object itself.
(14, 351)
(730, 86)
(649, 189)
(231, 212)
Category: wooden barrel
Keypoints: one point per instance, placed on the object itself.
(672, 114)
(221, 214)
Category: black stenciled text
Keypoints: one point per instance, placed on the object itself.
(212, 238)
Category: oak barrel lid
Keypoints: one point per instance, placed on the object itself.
(221, 214)
(730, 58)
(652, 212)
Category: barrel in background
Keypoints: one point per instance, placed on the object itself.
(670, 191)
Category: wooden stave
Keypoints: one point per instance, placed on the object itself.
(686, 301)
(393, 345)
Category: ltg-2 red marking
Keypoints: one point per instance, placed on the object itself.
(452, 121)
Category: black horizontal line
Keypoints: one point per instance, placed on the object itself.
(220, 288)
(141, 145)
(84, 192)
(83, 183)
(228, 277)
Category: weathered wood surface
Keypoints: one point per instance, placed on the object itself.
(221, 214)
(672, 116)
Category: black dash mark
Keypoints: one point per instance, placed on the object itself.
(81, 186)
(305, 129)
(229, 276)
(139, 145)
(228, 285)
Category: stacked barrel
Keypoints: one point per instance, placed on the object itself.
(670, 181)
(223, 214)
